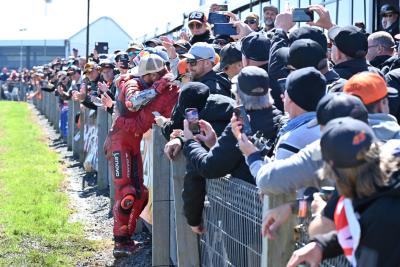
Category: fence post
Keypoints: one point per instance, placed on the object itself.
(160, 171)
(47, 106)
(70, 124)
(84, 116)
(187, 241)
(75, 143)
(102, 130)
(56, 113)
(277, 252)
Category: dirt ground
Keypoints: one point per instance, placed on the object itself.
(91, 207)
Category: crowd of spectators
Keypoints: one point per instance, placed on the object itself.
(325, 97)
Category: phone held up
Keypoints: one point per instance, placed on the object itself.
(217, 18)
(225, 29)
(192, 116)
(241, 115)
(302, 15)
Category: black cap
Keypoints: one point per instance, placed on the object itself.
(345, 141)
(229, 54)
(338, 105)
(256, 46)
(123, 57)
(182, 46)
(253, 81)
(306, 87)
(304, 53)
(155, 41)
(350, 40)
(197, 16)
(309, 33)
(193, 95)
(387, 9)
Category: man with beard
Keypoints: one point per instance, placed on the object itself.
(390, 19)
(270, 13)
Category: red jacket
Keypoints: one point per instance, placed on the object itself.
(139, 122)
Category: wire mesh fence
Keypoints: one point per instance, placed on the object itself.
(233, 220)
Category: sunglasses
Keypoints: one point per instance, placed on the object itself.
(193, 62)
(195, 24)
(251, 21)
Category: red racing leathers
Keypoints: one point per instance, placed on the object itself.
(123, 151)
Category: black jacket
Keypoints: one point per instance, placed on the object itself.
(393, 29)
(225, 157)
(391, 64)
(218, 112)
(217, 83)
(380, 231)
(380, 62)
(349, 68)
(205, 37)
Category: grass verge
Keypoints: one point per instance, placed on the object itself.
(34, 227)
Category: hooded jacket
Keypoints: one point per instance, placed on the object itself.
(385, 126)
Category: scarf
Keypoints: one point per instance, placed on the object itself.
(348, 228)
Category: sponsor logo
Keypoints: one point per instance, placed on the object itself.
(117, 164)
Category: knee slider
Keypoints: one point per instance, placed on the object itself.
(127, 202)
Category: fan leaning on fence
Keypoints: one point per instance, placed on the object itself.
(138, 98)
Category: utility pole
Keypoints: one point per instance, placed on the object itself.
(87, 30)
(20, 49)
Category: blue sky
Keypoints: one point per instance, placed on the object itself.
(66, 17)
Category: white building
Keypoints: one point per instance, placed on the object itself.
(33, 52)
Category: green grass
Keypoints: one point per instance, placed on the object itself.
(34, 227)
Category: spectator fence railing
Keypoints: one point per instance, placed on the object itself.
(233, 208)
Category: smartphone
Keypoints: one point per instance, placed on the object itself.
(101, 47)
(224, 29)
(192, 116)
(217, 18)
(223, 7)
(156, 114)
(302, 15)
(241, 115)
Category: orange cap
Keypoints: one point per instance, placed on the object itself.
(182, 67)
(369, 87)
(217, 59)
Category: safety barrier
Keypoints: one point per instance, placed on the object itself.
(233, 209)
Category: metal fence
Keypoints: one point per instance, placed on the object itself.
(232, 217)
(232, 214)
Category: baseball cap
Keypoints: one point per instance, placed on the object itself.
(201, 50)
(304, 53)
(134, 46)
(273, 8)
(229, 54)
(338, 105)
(155, 41)
(253, 81)
(386, 9)
(306, 87)
(89, 67)
(193, 95)
(312, 33)
(107, 64)
(252, 16)
(256, 46)
(349, 40)
(197, 16)
(148, 64)
(369, 87)
(122, 56)
(182, 46)
(345, 141)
